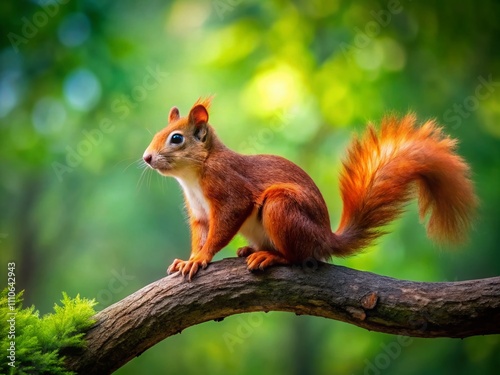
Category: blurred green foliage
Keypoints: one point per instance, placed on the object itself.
(84, 85)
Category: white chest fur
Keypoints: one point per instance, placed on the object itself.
(198, 204)
(255, 233)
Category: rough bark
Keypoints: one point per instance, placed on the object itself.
(170, 305)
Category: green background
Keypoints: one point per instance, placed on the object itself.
(85, 84)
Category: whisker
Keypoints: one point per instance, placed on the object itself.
(149, 180)
(122, 161)
(141, 179)
(140, 164)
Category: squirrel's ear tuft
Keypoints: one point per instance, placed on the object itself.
(173, 115)
(198, 115)
(205, 102)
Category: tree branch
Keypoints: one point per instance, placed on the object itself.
(168, 306)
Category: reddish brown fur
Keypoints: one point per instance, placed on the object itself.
(277, 206)
(379, 175)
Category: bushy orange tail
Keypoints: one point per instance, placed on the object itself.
(382, 172)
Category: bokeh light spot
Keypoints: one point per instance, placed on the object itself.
(48, 115)
(9, 93)
(276, 88)
(74, 29)
(82, 89)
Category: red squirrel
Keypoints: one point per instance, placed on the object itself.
(280, 210)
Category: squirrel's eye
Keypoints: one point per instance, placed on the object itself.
(177, 139)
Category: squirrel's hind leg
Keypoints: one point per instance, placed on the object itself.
(296, 230)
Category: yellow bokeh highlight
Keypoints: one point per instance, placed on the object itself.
(274, 88)
(229, 45)
(186, 17)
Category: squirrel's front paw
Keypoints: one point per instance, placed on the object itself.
(188, 267)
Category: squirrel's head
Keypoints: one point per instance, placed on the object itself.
(184, 144)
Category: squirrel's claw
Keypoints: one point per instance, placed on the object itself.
(245, 251)
(175, 266)
(261, 260)
(187, 268)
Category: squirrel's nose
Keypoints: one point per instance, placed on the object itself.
(147, 158)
